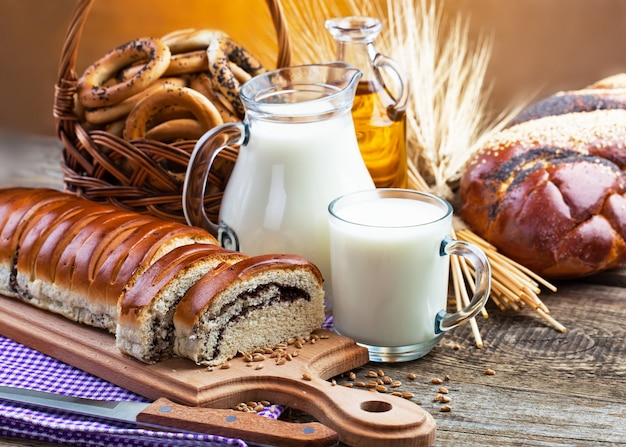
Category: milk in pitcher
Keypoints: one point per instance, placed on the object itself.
(292, 173)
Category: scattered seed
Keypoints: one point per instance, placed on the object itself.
(259, 366)
(371, 384)
(352, 376)
(397, 393)
(438, 398)
(490, 372)
(333, 382)
(443, 390)
(281, 361)
(396, 383)
(265, 403)
(259, 408)
(360, 384)
(372, 374)
(225, 365)
(456, 346)
(445, 409)
(445, 399)
(387, 380)
(381, 389)
(348, 385)
(307, 376)
(446, 378)
(411, 376)
(380, 372)
(436, 381)
(407, 395)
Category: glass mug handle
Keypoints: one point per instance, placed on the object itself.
(396, 110)
(446, 321)
(202, 158)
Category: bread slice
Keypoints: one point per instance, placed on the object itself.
(257, 302)
(145, 328)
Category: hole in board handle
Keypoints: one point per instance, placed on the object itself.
(376, 406)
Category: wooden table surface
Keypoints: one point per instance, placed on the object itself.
(549, 388)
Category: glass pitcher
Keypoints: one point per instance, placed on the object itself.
(379, 109)
(298, 151)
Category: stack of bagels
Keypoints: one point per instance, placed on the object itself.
(171, 88)
(165, 289)
(549, 191)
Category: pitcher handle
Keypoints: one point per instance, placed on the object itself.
(396, 110)
(202, 158)
(446, 321)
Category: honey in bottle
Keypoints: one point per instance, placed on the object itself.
(379, 109)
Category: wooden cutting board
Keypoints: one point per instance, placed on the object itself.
(359, 417)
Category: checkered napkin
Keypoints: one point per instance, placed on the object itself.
(23, 367)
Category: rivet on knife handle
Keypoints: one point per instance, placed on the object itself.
(232, 424)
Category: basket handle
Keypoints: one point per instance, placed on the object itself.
(67, 77)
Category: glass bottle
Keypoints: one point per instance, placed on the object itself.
(379, 112)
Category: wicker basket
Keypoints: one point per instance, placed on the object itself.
(95, 162)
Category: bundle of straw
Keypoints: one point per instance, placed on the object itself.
(447, 118)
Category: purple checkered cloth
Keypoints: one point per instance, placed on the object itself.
(23, 367)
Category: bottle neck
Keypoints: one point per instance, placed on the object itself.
(360, 55)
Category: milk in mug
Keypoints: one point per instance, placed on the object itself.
(389, 278)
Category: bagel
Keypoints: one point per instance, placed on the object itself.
(96, 87)
(108, 114)
(221, 53)
(550, 193)
(202, 83)
(176, 129)
(191, 39)
(151, 110)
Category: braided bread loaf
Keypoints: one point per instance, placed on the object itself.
(550, 190)
(125, 272)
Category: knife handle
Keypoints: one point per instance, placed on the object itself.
(235, 424)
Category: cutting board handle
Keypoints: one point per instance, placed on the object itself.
(360, 418)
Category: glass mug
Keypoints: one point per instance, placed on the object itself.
(388, 251)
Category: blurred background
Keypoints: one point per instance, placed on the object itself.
(540, 46)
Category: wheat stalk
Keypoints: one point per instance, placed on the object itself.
(448, 117)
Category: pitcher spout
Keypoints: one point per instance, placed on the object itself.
(303, 92)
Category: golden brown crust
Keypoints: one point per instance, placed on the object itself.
(191, 39)
(548, 192)
(154, 57)
(195, 302)
(110, 114)
(163, 270)
(221, 53)
(151, 110)
(83, 247)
